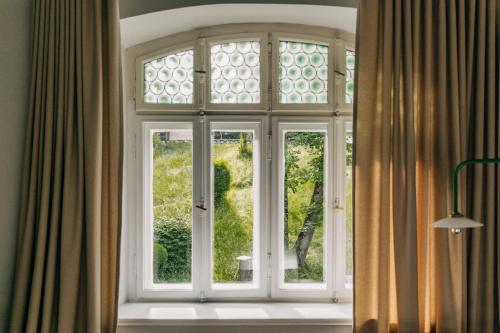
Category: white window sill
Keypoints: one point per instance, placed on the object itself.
(172, 314)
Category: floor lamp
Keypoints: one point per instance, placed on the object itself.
(457, 221)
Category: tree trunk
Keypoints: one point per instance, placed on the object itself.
(309, 226)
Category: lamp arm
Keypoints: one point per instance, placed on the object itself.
(457, 170)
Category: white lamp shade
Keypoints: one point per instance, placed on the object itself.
(456, 222)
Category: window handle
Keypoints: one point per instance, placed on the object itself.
(200, 207)
(337, 206)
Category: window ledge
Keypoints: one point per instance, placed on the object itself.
(166, 314)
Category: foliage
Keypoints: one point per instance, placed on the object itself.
(158, 146)
(222, 181)
(233, 215)
(160, 262)
(304, 174)
(174, 235)
(245, 147)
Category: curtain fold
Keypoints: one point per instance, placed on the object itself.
(426, 98)
(67, 259)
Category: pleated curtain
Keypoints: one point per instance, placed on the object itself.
(427, 97)
(66, 276)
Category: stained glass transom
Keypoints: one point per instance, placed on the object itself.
(349, 76)
(169, 80)
(303, 73)
(235, 72)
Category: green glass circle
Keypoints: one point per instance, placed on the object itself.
(293, 47)
(150, 73)
(309, 72)
(229, 98)
(309, 47)
(286, 86)
(293, 72)
(316, 59)
(316, 86)
(301, 59)
(309, 98)
(164, 99)
(350, 87)
(157, 87)
(179, 99)
(294, 98)
(301, 86)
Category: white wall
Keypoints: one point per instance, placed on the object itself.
(130, 8)
(15, 26)
(142, 28)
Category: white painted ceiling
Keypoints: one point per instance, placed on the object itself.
(142, 28)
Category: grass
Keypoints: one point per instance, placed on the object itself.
(233, 220)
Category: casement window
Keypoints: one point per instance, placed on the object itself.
(239, 175)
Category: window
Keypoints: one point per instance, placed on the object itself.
(303, 72)
(235, 72)
(241, 172)
(169, 79)
(349, 73)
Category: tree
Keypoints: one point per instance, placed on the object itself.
(313, 143)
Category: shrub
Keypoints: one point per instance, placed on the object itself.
(174, 235)
(160, 262)
(222, 181)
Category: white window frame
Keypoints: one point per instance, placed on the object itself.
(257, 289)
(138, 112)
(299, 290)
(145, 287)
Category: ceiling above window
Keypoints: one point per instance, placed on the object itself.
(142, 28)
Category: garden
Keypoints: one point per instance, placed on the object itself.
(232, 162)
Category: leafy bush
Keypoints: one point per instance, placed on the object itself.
(222, 181)
(174, 235)
(160, 262)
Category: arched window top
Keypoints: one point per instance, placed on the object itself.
(247, 67)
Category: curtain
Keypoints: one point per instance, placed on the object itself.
(67, 258)
(426, 98)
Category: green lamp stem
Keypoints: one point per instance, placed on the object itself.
(460, 167)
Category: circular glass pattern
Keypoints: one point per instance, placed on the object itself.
(235, 72)
(169, 80)
(303, 73)
(349, 76)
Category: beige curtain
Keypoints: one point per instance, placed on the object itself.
(426, 98)
(67, 263)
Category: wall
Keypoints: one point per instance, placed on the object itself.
(15, 20)
(130, 8)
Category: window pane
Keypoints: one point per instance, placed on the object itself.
(349, 76)
(348, 210)
(172, 205)
(235, 72)
(169, 80)
(303, 73)
(233, 205)
(303, 206)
